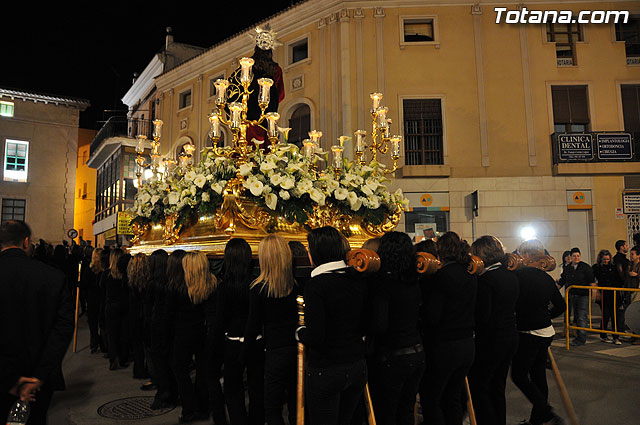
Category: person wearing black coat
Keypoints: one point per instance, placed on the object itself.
(232, 312)
(606, 276)
(398, 361)
(539, 301)
(116, 290)
(496, 333)
(36, 324)
(335, 324)
(448, 315)
(91, 284)
(273, 312)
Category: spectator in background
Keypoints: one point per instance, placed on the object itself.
(116, 310)
(138, 280)
(606, 276)
(634, 271)
(578, 273)
(91, 283)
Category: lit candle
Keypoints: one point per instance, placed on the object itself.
(246, 74)
(155, 161)
(308, 148)
(236, 114)
(396, 142)
(189, 148)
(272, 118)
(376, 98)
(337, 156)
(157, 129)
(315, 136)
(382, 116)
(140, 146)
(215, 125)
(360, 145)
(184, 160)
(265, 87)
(221, 91)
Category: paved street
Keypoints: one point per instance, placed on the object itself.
(603, 381)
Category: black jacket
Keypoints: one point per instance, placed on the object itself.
(539, 300)
(581, 275)
(498, 291)
(36, 320)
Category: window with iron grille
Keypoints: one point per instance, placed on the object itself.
(630, 34)
(13, 209)
(565, 36)
(570, 109)
(423, 131)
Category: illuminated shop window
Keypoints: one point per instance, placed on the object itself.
(16, 160)
(6, 109)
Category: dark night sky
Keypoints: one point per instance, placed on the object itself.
(92, 54)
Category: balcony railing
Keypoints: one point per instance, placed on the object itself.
(596, 146)
(121, 127)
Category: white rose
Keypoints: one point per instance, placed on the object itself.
(317, 196)
(205, 197)
(144, 197)
(284, 195)
(276, 179)
(245, 169)
(192, 190)
(154, 199)
(185, 193)
(271, 199)
(267, 165)
(304, 185)
(174, 197)
(373, 202)
(340, 194)
(354, 201)
(256, 187)
(287, 182)
(200, 180)
(217, 188)
(190, 175)
(366, 190)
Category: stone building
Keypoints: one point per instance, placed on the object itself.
(39, 139)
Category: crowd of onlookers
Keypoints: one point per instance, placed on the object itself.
(609, 271)
(234, 322)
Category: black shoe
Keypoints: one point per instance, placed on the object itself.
(113, 366)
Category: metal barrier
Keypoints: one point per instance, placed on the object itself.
(601, 289)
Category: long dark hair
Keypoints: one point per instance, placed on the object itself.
(236, 267)
(158, 267)
(452, 248)
(175, 272)
(397, 257)
(264, 65)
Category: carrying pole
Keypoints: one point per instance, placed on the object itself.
(75, 328)
(563, 390)
(472, 413)
(300, 396)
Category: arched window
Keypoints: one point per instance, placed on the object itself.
(300, 123)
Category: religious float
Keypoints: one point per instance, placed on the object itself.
(248, 190)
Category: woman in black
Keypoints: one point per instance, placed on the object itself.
(335, 318)
(117, 308)
(448, 316)
(607, 276)
(496, 334)
(138, 280)
(538, 302)
(231, 320)
(273, 312)
(90, 277)
(398, 359)
(191, 285)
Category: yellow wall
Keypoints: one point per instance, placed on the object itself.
(85, 196)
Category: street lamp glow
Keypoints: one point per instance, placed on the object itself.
(527, 233)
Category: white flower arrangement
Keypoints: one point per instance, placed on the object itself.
(282, 180)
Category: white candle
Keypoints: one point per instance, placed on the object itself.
(246, 74)
(272, 118)
(140, 146)
(265, 87)
(236, 114)
(360, 144)
(396, 142)
(215, 125)
(157, 129)
(376, 98)
(221, 91)
(337, 156)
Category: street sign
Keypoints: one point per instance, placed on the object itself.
(124, 223)
(631, 202)
(72, 233)
(575, 147)
(614, 146)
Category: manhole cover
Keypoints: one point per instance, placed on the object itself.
(130, 408)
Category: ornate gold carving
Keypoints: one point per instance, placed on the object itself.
(138, 231)
(171, 229)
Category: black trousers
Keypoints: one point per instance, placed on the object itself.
(117, 332)
(280, 384)
(93, 319)
(608, 310)
(488, 377)
(187, 343)
(332, 393)
(529, 374)
(233, 374)
(215, 356)
(394, 383)
(162, 372)
(448, 362)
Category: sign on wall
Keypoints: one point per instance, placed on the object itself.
(579, 200)
(613, 146)
(575, 147)
(631, 202)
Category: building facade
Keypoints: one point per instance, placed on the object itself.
(39, 137)
(85, 193)
(488, 111)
